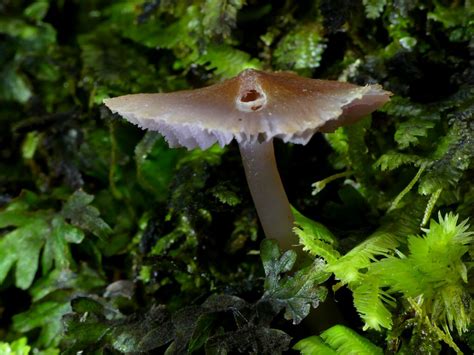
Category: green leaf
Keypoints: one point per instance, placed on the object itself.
(81, 214)
(145, 334)
(226, 195)
(21, 248)
(47, 316)
(57, 244)
(88, 328)
(302, 48)
(87, 305)
(37, 10)
(275, 264)
(348, 267)
(409, 132)
(371, 303)
(316, 238)
(373, 8)
(15, 215)
(338, 140)
(13, 85)
(360, 161)
(155, 163)
(313, 345)
(454, 20)
(245, 228)
(337, 340)
(220, 16)
(346, 341)
(226, 61)
(393, 160)
(296, 293)
(82, 280)
(18, 347)
(202, 332)
(88, 331)
(30, 144)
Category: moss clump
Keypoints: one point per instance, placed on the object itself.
(105, 233)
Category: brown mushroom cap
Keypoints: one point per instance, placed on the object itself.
(254, 105)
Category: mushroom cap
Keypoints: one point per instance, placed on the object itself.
(253, 106)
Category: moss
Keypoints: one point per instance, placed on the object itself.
(180, 224)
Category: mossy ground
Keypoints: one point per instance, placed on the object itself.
(112, 242)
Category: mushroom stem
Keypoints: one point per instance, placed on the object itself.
(267, 191)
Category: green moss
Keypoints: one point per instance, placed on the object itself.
(87, 200)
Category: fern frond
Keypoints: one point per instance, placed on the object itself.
(338, 141)
(346, 341)
(225, 60)
(190, 37)
(409, 132)
(453, 18)
(338, 339)
(315, 237)
(301, 48)
(348, 267)
(373, 8)
(316, 247)
(401, 275)
(156, 32)
(370, 302)
(313, 345)
(220, 16)
(402, 107)
(393, 160)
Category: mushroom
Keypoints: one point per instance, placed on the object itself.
(254, 108)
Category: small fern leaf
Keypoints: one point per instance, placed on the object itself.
(315, 237)
(316, 247)
(225, 60)
(347, 269)
(337, 340)
(220, 17)
(374, 8)
(301, 48)
(338, 141)
(393, 160)
(409, 132)
(370, 301)
(313, 345)
(346, 341)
